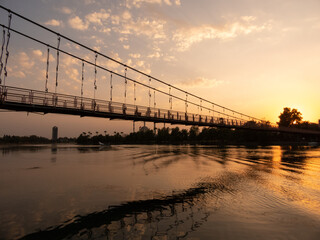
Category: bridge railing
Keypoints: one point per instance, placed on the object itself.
(64, 101)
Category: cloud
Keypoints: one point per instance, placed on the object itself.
(18, 74)
(200, 82)
(153, 29)
(53, 22)
(126, 15)
(25, 61)
(168, 2)
(73, 74)
(98, 17)
(187, 36)
(139, 3)
(126, 46)
(169, 58)
(105, 30)
(154, 55)
(77, 23)
(88, 2)
(140, 63)
(122, 39)
(68, 61)
(66, 10)
(111, 64)
(37, 53)
(135, 55)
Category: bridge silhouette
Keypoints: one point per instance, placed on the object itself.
(45, 101)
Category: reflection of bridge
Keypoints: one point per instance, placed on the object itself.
(32, 100)
(170, 217)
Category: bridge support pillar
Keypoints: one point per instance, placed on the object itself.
(134, 126)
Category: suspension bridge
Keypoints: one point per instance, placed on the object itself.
(203, 112)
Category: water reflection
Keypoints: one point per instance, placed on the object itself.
(9, 149)
(171, 217)
(149, 218)
(174, 191)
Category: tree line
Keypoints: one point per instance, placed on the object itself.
(195, 135)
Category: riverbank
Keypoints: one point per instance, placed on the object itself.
(176, 136)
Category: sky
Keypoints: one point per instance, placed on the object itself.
(253, 56)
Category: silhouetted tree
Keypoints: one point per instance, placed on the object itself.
(163, 135)
(251, 124)
(184, 134)
(175, 134)
(193, 132)
(308, 125)
(289, 117)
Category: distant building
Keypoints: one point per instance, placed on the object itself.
(54, 134)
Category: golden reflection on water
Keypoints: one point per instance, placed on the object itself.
(276, 157)
(301, 187)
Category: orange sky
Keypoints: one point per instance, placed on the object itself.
(256, 57)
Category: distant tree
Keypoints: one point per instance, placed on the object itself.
(251, 124)
(266, 124)
(175, 134)
(184, 134)
(289, 117)
(163, 134)
(308, 125)
(193, 132)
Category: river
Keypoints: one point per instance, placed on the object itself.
(159, 192)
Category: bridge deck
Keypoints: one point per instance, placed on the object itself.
(20, 99)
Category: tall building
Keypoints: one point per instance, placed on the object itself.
(54, 134)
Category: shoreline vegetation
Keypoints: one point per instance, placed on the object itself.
(176, 136)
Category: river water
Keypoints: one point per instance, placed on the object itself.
(159, 192)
